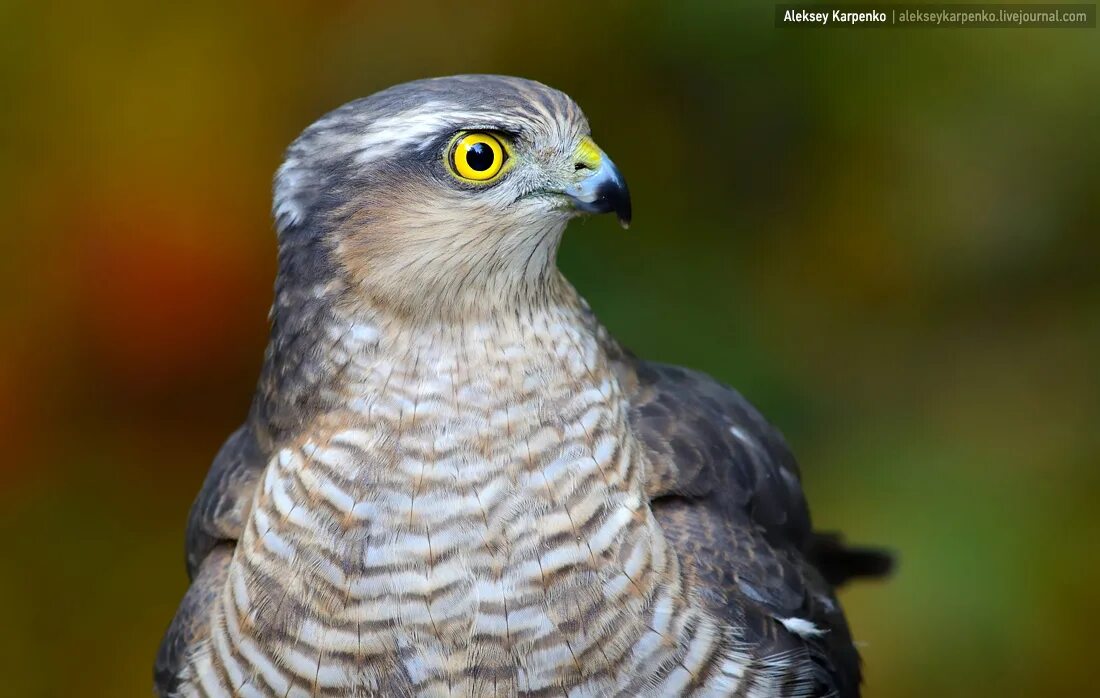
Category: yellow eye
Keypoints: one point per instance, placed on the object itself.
(477, 157)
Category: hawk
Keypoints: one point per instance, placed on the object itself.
(453, 481)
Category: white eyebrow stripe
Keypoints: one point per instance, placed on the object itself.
(415, 127)
(383, 138)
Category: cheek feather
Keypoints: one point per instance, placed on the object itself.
(424, 247)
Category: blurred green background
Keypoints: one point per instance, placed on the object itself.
(888, 239)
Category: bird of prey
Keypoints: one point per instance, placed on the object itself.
(453, 481)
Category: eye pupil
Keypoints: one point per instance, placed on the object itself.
(479, 156)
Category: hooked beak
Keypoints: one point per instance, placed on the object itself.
(600, 187)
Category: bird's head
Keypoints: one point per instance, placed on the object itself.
(442, 193)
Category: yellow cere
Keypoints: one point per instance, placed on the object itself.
(589, 154)
(478, 156)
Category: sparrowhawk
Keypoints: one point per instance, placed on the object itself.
(454, 482)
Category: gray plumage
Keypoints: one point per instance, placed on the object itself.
(453, 481)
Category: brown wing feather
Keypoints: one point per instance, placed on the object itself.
(189, 626)
(214, 526)
(221, 507)
(728, 495)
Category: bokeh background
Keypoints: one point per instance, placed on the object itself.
(888, 239)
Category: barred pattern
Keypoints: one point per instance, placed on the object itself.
(471, 521)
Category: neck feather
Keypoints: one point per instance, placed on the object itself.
(326, 336)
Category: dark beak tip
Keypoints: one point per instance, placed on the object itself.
(616, 197)
(624, 216)
(623, 209)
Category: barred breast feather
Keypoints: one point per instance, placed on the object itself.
(473, 521)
